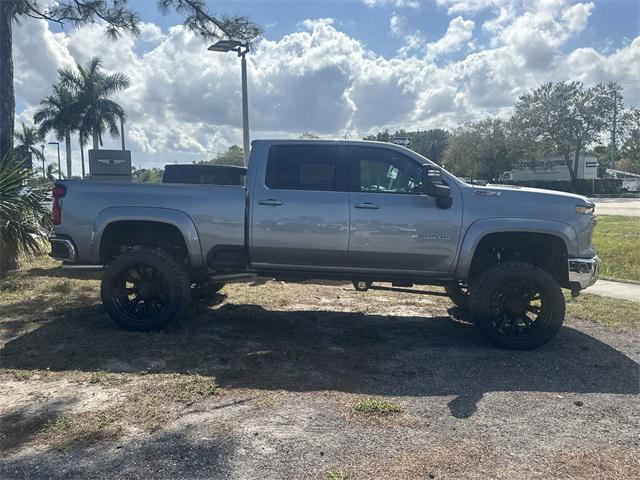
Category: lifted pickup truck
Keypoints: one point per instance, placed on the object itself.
(311, 210)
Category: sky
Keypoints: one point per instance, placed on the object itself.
(335, 68)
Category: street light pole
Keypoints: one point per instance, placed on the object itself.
(241, 49)
(59, 164)
(245, 109)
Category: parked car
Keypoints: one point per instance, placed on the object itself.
(360, 211)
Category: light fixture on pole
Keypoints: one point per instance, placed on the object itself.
(59, 164)
(241, 49)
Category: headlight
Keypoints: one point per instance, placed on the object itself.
(585, 209)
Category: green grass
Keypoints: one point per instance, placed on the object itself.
(190, 388)
(617, 241)
(610, 312)
(371, 406)
(338, 474)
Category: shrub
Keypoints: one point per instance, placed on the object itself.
(24, 219)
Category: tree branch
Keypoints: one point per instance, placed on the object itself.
(113, 12)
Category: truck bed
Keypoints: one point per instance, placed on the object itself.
(217, 211)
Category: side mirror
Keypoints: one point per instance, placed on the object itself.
(434, 186)
(432, 183)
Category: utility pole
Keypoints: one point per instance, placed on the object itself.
(612, 163)
(245, 109)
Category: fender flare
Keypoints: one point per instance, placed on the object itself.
(481, 228)
(176, 218)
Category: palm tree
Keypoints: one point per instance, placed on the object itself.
(98, 113)
(24, 218)
(27, 141)
(50, 172)
(57, 114)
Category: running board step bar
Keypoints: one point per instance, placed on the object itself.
(231, 277)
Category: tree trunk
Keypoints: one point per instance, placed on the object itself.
(572, 171)
(7, 97)
(82, 158)
(95, 139)
(574, 177)
(8, 256)
(8, 250)
(67, 144)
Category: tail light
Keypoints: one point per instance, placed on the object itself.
(56, 210)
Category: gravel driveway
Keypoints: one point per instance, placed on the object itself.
(288, 375)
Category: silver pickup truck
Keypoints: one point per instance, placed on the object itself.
(312, 210)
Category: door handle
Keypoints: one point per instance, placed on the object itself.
(270, 201)
(369, 205)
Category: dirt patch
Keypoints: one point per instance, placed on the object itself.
(468, 461)
(263, 384)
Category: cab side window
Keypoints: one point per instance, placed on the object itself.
(384, 171)
(307, 167)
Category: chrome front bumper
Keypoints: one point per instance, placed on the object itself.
(584, 271)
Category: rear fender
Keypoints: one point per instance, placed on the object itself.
(178, 219)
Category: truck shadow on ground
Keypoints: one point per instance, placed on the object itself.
(247, 346)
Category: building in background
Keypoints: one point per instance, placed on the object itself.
(552, 168)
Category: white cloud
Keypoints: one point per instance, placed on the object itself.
(38, 53)
(537, 33)
(184, 102)
(150, 32)
(457, 34)
(398, 25)
(412, 40)
(470, 6)
(395, 3)
(577, 15)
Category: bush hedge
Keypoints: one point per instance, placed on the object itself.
(583, 186)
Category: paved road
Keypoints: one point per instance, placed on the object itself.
(629, 207)
(624, 291)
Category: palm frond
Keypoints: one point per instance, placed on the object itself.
(24, 218)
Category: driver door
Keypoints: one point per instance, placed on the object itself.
(393, 224)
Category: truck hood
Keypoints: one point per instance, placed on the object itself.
(501, 201)
(532, 192)
(514, 201)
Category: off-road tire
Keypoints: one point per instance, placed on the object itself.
(487, 298)
(165, 269)
(457, 295)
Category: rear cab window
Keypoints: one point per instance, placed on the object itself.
(307, 167)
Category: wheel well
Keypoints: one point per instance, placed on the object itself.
(543, 250)
(121, 236)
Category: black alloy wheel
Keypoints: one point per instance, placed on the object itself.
(144, 288)
(517, 305)
(517, 309)
(139, 293)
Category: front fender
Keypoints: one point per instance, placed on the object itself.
(481, 228)
(178, 219)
